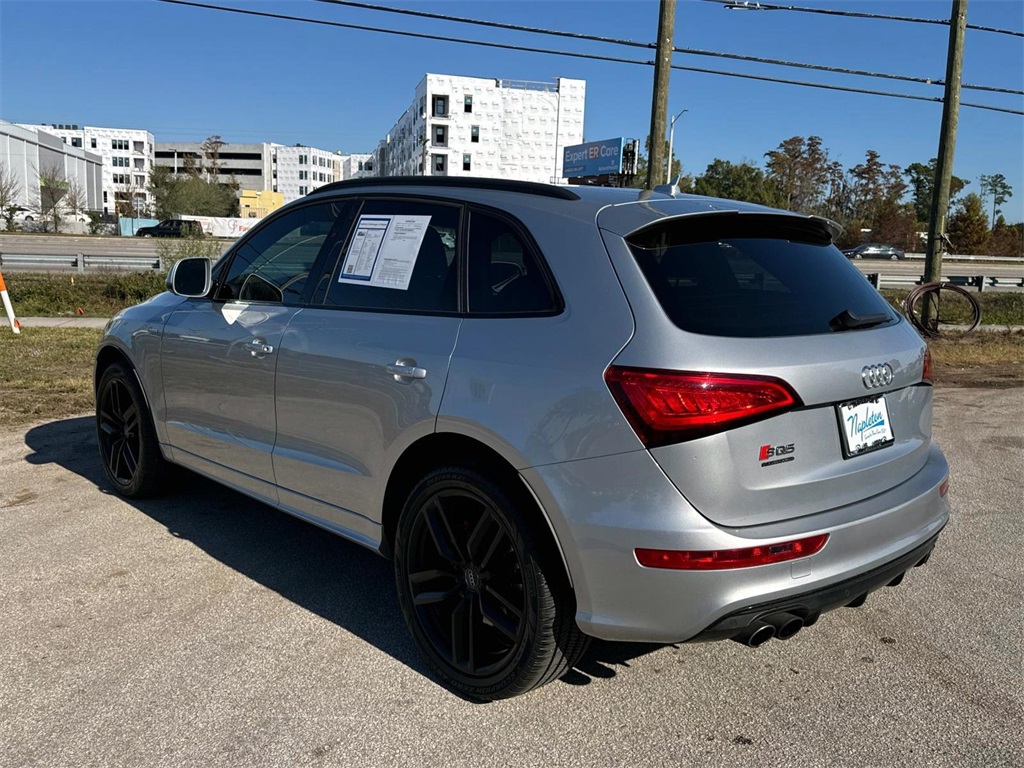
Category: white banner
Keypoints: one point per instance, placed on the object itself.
(219, 226)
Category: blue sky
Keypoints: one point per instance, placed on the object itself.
(185, 73)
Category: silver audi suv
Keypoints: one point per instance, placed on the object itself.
(562, 412)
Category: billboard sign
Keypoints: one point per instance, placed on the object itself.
(594, 158)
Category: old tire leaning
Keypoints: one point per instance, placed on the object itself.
(488, 607)
(127, 440)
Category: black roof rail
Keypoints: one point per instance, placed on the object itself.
(457, 182)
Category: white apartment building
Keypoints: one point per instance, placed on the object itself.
(356, 166)
(474, 126)
(127, 159)
(300, 170)
(25, 151)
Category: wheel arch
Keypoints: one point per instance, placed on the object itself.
(109, 354)
(440, 449)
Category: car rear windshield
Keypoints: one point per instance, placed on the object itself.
(752, 275)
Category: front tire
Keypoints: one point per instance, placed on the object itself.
(127, 440)
(491, 612)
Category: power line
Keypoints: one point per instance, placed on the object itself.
(550, 52)
(649, 46)
(839, 70)
(756, 5)
(848, 89)
(493, 24)
(402, 33)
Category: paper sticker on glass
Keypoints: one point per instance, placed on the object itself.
(383, 250)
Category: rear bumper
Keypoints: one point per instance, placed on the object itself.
(601, 510)
(811, 605)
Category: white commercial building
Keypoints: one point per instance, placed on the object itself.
(474, 126)
(27, 151)
(300, 170)
(127, 160)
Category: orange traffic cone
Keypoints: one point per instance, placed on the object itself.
(15, 325)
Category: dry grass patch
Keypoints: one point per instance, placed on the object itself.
(46, 373)
(982, 359)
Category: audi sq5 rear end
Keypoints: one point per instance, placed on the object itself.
(562, 412)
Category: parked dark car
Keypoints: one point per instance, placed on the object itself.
(874, 251)
(172, 228)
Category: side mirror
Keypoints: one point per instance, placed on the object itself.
(190, 277)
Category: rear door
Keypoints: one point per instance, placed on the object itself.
(769, 298)
(361, 374)
(219, 354)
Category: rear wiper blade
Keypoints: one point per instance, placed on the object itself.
(847, 321)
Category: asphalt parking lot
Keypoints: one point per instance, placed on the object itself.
(208, 630)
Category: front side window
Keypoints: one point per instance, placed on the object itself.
(273, 264)
(400, 255)
(505, 275)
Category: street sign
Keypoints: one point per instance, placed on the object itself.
(593, 158)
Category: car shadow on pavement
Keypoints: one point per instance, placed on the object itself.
(338, 580)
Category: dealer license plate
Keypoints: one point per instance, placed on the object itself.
(865, 426)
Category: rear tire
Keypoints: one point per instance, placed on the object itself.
(127, 440)
(492, 614)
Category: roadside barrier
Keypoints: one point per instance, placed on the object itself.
(81, 262)
(8, 308)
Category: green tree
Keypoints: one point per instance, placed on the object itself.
(190, 194)
(995, 186)
(640, 179)
(802, 171)
(968, 226)
(742, 181)
(1007, 239)
(922, 184)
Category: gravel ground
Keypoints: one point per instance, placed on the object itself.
(206, 629)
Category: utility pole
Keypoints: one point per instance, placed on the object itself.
(944, 165)
(659, 101)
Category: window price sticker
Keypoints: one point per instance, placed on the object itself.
(383, 251)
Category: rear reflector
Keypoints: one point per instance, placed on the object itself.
(926, 374)
(671, 406)
(724, 559)
(944, 487)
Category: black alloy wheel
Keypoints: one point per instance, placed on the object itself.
(473, 589)
(119, 434)
(127, 441)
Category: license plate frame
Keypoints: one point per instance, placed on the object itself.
(853, 415)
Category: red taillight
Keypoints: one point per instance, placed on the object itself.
(926, 374)
(670, 406)
(723, 559)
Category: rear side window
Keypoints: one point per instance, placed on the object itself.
(752, 276)
(505, 275)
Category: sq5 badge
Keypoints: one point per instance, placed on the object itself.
(776, 454)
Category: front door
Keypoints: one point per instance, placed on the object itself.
(220, 354)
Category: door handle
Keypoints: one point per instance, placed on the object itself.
(404, 369)
(260, 348)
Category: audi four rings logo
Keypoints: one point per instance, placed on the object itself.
(878, 375)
